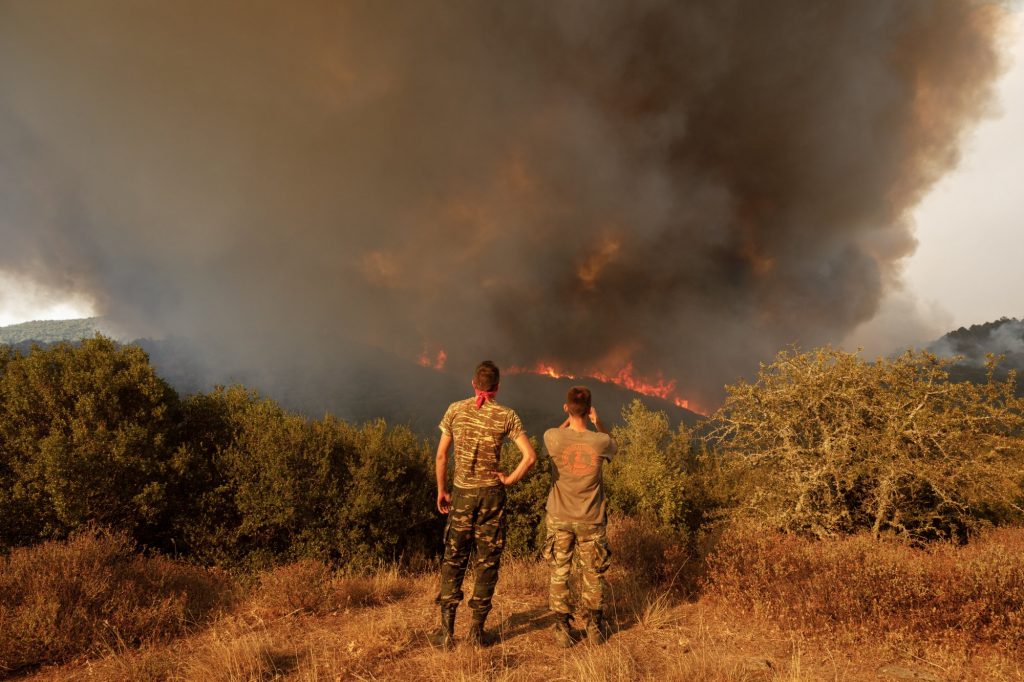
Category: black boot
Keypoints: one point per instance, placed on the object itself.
(562, 630)
(597, 628)
(477, 636)
(444, 636)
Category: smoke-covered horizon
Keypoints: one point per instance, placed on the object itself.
(686, 187)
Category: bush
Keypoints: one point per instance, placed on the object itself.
(92, 593)
(832, 444)
(388, 506)
(260, 486)
(526, 505)
(665, 477)
(651, 554)
(860, 584)
(84, 435)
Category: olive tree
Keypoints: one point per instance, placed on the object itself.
(83, 438)
(835, 444)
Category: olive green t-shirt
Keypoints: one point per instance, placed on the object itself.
(478, 435)
(577, 495)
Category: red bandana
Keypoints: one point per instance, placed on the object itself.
(481, 396)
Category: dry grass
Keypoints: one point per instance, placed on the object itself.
(373, 628)
(972, 594)
(311, 587)
(92, 594)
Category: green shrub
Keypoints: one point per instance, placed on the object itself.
(526, 504)
(388, 505)
(666, 477)
(261, 486)
(84, 433)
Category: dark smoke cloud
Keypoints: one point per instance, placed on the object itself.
(687, 186)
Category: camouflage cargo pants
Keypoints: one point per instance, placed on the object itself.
(587, 543)
(476, 522)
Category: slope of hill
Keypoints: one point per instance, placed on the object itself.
(972, 345)
(49, 331)
(367, 384)
(1004, 336)
(377, 384)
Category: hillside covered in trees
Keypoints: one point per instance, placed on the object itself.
(374, 385)
(49, 331)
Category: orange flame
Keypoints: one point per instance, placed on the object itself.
(424, 359)
(625, 377)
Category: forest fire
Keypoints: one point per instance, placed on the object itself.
(625, 377)
(437, 362)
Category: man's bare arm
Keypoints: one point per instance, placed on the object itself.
(598, 424)
(444, 498)
(528, 460)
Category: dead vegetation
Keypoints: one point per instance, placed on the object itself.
(774, 608)
(92, 594)
(860, 587)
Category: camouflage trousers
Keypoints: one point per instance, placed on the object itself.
(584, 545)
(476, 522)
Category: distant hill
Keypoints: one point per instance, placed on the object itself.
(1004, 337)
(372, 383)
(369, 384)
(49, 331)
(973, 344)
(376, 384)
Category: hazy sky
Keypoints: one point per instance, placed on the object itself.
(970, 228)
(967, 268)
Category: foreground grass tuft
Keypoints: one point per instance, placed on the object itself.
(972, 593)
(92, 593)
(311, 587)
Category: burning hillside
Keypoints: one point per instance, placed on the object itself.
(625, 377)
(697, 183)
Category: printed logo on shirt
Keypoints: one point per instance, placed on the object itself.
(578, 459)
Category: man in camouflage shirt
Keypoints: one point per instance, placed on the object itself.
(476, 507)
(576, 515)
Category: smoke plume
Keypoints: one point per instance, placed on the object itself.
(685, 187)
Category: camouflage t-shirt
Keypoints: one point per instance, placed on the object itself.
(478, 435)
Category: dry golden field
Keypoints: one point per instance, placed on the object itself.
(768, 608)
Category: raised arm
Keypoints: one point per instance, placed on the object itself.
(528, 460)
(444, 498)
(598, 424)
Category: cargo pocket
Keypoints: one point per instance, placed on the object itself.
(548, 551)
(602, 554)
(456, 498)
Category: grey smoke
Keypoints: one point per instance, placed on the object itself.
(686, 186)
(972, 346)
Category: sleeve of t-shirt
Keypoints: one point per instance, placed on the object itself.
(549, 440)
(447, 420)
(513, 427)
(610, 449)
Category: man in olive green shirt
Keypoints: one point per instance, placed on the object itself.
(576, 515)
